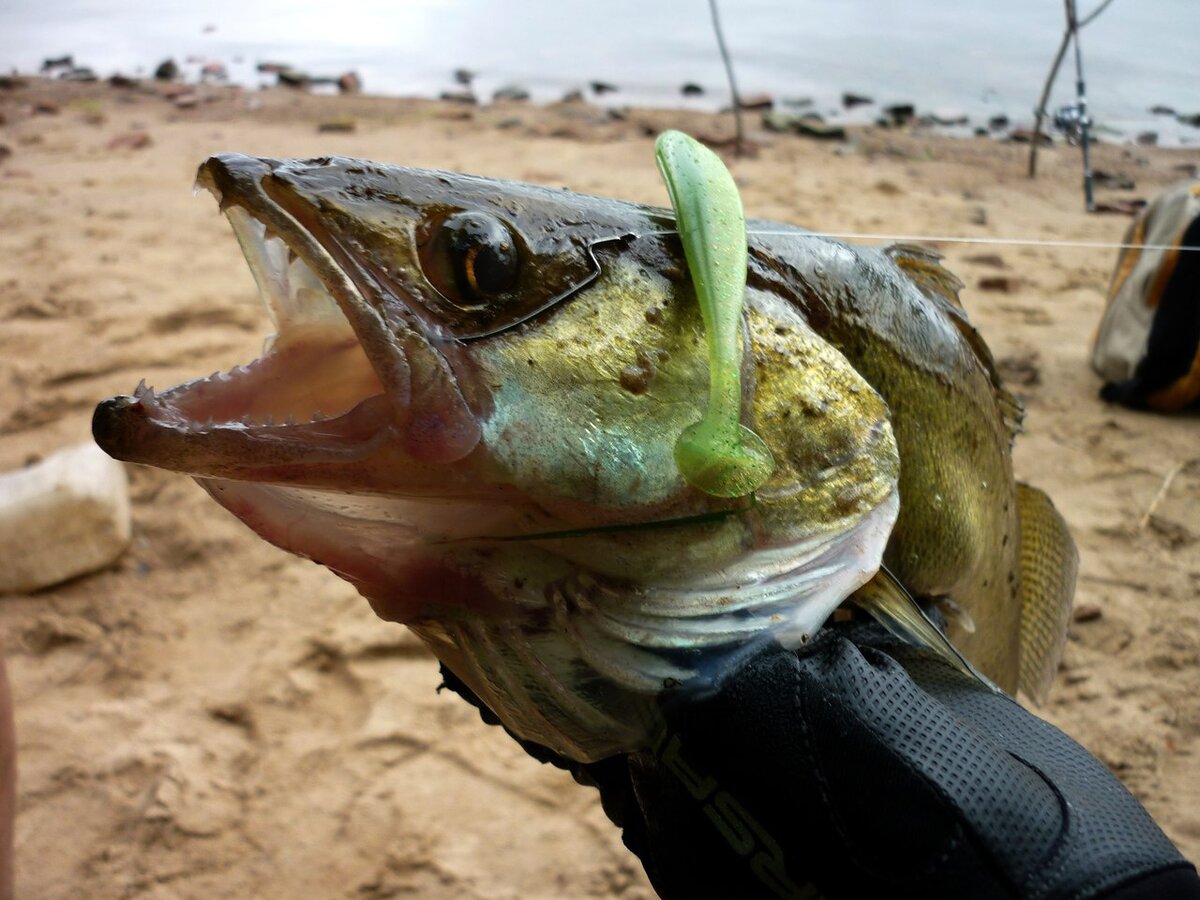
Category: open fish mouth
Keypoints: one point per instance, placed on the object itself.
(333, 383)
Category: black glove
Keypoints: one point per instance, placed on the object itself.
(861, 767)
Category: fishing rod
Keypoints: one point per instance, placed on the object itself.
(1081, 107)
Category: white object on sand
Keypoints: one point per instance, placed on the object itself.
(62, 517)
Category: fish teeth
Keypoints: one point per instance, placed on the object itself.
(290, 420)
(140, 391)
(319, 416)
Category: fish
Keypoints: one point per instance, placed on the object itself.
(469, 408)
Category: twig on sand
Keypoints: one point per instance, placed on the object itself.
(737, 100)
(1144, 522)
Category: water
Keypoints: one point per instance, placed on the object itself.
(979, 56)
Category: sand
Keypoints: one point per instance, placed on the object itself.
(213, 718)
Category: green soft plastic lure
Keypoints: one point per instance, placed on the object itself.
(717, 455)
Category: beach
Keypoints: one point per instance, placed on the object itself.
(211, 717)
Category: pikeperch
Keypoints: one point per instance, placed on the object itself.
(470, 407)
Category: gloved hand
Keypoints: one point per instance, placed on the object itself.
(861, 767)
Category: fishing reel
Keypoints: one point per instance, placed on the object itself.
(1073, 121)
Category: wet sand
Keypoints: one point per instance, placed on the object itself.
(214, 718)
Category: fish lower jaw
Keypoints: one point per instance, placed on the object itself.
(311, 396)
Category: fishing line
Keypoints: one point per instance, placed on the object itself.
(625, 237)
(952, 239)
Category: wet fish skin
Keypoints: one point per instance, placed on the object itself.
(496, 470)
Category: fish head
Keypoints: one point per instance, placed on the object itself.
(470, 405)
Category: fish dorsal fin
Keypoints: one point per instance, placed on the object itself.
(893, 607)
(1049, 563)
(925, 270)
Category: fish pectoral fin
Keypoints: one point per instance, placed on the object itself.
(1049, 564)
(893, 607)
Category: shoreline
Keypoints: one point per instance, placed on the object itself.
(1160, 126)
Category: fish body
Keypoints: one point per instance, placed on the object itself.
(470, 407)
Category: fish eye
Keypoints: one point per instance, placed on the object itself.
(471, 258)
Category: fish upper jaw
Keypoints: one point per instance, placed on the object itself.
(351, 371)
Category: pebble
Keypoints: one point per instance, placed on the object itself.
(1114, 180)
(1006, 284)
(1020, 368)
(1026, 136)
(62, 517)
(900, 113)
(511, 93)
(755, 101)
(131, 140)
(1086, 612)
(947, 117)
(809, 125)
(464, 97)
